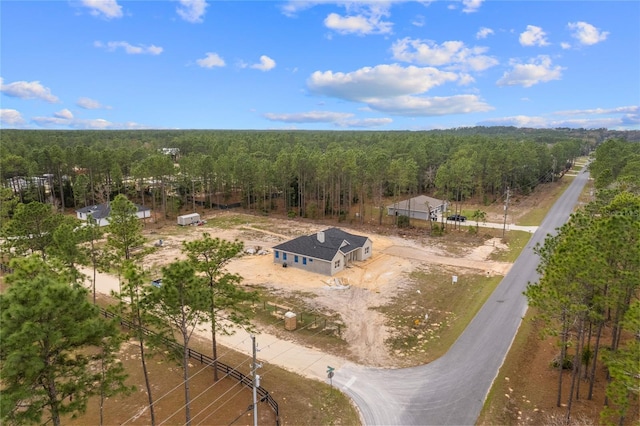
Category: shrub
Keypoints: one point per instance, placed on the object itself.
(403, 221)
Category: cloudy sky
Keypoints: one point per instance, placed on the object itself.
(326, 65)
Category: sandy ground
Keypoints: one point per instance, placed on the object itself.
(364, 285)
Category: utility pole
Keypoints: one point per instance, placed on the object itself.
(256, 381)
(506, 208)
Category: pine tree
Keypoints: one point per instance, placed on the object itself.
(181, 302)
(47, 327)
(226, 299)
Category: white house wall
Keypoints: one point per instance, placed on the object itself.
(413, 215)
(366, 251)
(105, 220)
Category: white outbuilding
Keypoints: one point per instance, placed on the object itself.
(188, 219)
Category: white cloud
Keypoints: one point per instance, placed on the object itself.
(339, 119)
(64, 114)
(192, 10)
(533, 36)
(430, 106)
(291, 8)
(88, 103)
(309, 117)
(450, 53)
(392, 89)
(565, 45)
(365, 123)
(382, 81)
(51, 121)
(418, 21)
(470, 6)
(106, 8)
(361, 17)
(266, 64)
(129, 48)
(484, 32)
(62, 120)
(11, 117)
(465, 80)
(517, 121)
(28, 90)
(538, 70)
(544, 123)
(633, 109)
(586, 33)
(211, 60)
(358, 24)
(626, 117)
(619, 117)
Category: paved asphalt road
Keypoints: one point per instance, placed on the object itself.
(452, 389)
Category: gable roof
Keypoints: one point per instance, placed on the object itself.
(334, 240)
(101, 211)
(418, 204)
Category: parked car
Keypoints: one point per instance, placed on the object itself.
(457, 218)
(157, 283)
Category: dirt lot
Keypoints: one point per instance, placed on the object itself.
(350, 293)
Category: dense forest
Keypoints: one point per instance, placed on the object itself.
(588, 293)
(305, 173)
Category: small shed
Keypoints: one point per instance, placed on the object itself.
(188, 219)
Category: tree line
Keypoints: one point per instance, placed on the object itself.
(589, 291)
(57, 352)
(308, 174)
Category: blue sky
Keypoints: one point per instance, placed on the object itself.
(319, 65)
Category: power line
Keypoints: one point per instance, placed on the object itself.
(207, 364)
(267, 371)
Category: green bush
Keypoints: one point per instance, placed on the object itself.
(403, 221)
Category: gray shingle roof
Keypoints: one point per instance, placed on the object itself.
(334, 240)
(417, 204)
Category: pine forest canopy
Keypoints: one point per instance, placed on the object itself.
(314, 172)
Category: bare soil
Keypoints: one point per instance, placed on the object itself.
(219, 403)
(351, 293)
(525, 390)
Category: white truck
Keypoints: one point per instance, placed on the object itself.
(189, 219)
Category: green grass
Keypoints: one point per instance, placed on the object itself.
(494, 412)
(227, 221)
(450, 308)
(517, 241)
(535, 216)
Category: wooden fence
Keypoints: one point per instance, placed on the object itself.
(205, 359)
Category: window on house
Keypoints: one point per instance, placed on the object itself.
(366, 250)
(304, 260)
(336, 264)
(284, 256)
(295, 259)
(277, 254)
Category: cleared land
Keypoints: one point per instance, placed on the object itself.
(380, 305)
